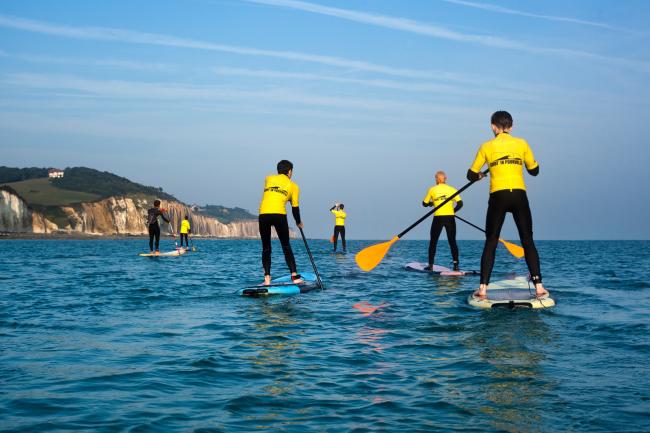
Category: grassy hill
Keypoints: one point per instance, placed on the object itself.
(226, 215)
(42, 192)
(105, 184)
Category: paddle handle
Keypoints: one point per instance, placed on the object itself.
(311, 259)
(451, 197)
(467, 222)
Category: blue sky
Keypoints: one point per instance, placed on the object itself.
(367, 98)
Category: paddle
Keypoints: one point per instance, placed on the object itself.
(514, 249)
(371, 256)
(311, 259)
(192, 243)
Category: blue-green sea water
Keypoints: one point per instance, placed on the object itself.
(95, 338)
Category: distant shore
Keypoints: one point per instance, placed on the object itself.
(84, 236)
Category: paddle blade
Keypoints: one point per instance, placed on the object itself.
(371, 256)
(514, 249)
(332, 239)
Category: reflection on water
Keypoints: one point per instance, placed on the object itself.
(511, 346)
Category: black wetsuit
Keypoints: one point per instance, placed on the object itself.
(515, 202)
(185, 236)
(339, 230)
(281, 224)
(449, 223)
(154, 227)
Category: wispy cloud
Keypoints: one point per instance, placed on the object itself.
(503, 10)
(412, 26)
(133, 37)
(111, 63)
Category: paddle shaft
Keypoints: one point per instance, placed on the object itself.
(451, 197)
(311, 259)
(467, 222)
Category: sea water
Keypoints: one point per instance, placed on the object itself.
(95, 338)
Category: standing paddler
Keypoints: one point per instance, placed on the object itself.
(443, 217)
(339, 224)
(278, 190)
(505, 156)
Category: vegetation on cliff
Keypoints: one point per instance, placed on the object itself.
(226, 215)
(13, 174)
(105, 184)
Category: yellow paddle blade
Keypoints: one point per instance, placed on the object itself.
(514, 249)
(371, 256)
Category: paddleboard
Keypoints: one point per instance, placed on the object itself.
(282, 286)
(178, 252)
(512, 293)
(437, 269)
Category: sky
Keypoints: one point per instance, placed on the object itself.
(368, 99)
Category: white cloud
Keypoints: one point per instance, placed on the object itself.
(411, 26)
(128, 36)
(503, 10)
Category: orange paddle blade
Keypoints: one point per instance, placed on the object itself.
(514, 249)
(332, 239)
(371, 256)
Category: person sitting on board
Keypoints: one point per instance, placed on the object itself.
(339, 224)
(185, 229)
(153, 226)
(505, 156)
(278, 190)
(443, 217)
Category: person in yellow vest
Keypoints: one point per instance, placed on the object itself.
(339, 224)
(185, 230)
(278, 190)
(506, 156)
(443, 217)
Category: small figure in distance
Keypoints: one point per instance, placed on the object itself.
(153, 226)
(185, 230)
(278, 190)
(339, 224)
(443, 217)
(506, 156)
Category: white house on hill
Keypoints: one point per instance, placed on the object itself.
(54, 172)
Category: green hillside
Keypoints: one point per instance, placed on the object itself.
(42, 192)
(13, 174)
(105, 184)
(226, 215)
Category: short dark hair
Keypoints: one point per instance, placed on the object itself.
(341, 206)
(156, 203)
(502, 119)
(186, 217)
(284, 166)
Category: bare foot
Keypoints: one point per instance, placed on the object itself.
(540, 291)
(267, 280)
(481, 292)
(296, 280)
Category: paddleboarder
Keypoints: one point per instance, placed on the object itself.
(185, 230)
(339, 224)
(278, 190)
(153, 226)
(505, 157)
(443, 217)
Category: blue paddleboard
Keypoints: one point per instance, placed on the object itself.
(282, 286)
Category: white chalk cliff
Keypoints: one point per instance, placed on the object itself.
(111, 216)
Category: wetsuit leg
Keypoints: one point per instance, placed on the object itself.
(152, 233)
(282, 229)
(187, 242)
(450, 228)
(436, 229)
(524, 221)
(157, 235)
(336, 236)
(496, 213)
(343, 238)
(265, 224)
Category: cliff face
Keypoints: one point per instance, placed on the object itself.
(15, 217)
(111, 216)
